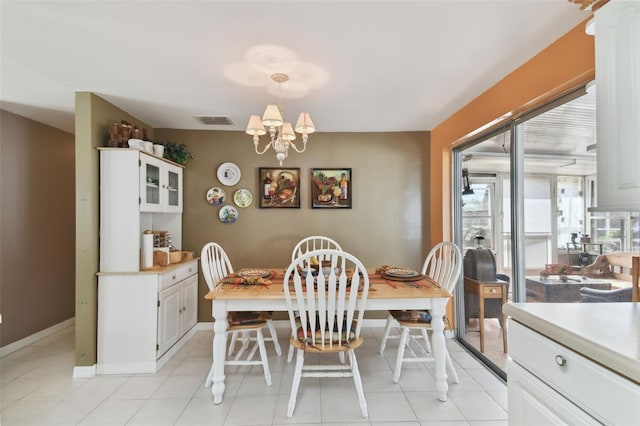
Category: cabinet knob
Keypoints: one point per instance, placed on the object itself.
(190, 270)
(493, 290)
(560, 360)
(173, 277)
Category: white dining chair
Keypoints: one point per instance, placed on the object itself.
(215, 266)
(315, 242)
(443, 264)
(322, 312)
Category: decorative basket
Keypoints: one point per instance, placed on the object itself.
(175, 257)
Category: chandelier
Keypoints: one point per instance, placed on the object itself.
(280, 131)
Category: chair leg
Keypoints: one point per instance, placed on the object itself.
(358, 382)
(403, 342)
(274, 337)
(385, 335)
(425, 337)
(263, 357)
(290, 353)
(452, 370)
(232, 345)
(297, 375)
(341, 355)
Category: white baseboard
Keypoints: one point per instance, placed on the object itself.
(19, 344)
(84, 372)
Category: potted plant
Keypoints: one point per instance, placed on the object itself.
(176, 152)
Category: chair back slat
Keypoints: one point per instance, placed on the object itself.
(315, 242)
(443, 264)
(326, 304)
(215, 264)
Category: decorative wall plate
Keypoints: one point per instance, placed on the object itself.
(243, 198)
(216, 196)
(228, 174)
(228, 214)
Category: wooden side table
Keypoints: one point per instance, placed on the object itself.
(488, 290)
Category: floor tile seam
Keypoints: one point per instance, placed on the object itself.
(416, 419)
(107, 399)
(478, 420)
(60, 402)
(113, 392)
(35, 389)
(141, 406)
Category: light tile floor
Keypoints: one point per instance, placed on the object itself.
(37, 389)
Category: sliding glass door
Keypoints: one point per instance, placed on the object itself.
(528, 179)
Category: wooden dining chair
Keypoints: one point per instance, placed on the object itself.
(323, 315)
(443, 264)
(315, 242)
(215, 266)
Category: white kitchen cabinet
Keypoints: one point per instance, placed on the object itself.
(145, 317)
(137, 192)
(617, 50)
(549, 383)
(532, 402)
(160, 185)
(177, 312)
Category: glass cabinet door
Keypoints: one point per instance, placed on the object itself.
(151, 176)
(174, 189)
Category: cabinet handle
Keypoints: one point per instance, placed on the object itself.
(560, 360)
(189, 269)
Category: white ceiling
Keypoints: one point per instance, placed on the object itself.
(370, 65)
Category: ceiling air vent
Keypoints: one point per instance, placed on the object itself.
(215, 120)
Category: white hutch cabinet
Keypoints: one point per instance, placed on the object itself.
(144, 316)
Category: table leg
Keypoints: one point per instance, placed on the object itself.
(219, 348)
(438, 347)
(481, 318)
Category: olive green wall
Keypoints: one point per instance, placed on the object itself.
(387, 224)
(94, 116)
(36, 227)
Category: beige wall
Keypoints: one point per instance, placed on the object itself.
(387, 224)
(94, 116)
(37, 222)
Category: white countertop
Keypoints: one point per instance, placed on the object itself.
(607, 333)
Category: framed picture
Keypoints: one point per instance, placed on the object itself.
(331, 189)
(279, 188)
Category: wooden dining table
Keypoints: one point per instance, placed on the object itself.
(384, 294)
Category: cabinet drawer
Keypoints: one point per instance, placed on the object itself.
(607, 396)
(492, 291)
(178, 274)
